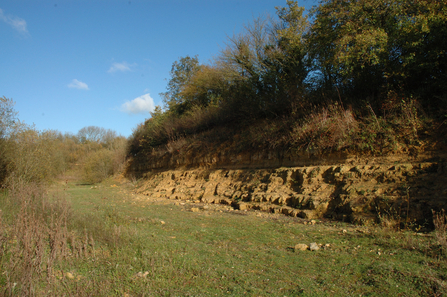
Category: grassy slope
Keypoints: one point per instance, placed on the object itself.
(225, 253)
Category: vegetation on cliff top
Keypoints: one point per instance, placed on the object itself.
(361, 75)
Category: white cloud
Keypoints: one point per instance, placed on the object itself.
(142, 104)
(76, 84)
(17, 23)
(124, 66)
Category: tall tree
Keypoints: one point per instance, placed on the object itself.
(269, 55)
(181, 73)
(291, 51)
(208, 86)
(7, 122)
(7, 116)
(91, 134)
(369, 47)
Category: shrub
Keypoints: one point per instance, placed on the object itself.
(33, 156)
(329, 129)
(98, 166)
(35, 237)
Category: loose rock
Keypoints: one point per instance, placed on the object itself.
(142, 274)
(314, 246)
(301, 247)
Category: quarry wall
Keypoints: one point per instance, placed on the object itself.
(398, 188)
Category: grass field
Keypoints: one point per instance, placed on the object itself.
(121, 244)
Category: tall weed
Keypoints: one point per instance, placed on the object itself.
(440, 222)
(33, 238)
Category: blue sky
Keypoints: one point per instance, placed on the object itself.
(69, 64)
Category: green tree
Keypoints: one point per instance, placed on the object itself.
(208, 86)
(7, 116)
(291, 52)
(367, 48)
(181, 73)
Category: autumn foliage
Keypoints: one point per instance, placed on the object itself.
(373, 62)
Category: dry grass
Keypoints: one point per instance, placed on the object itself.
(33, 238)
(395, 126)
(331, 128)
(440, 222)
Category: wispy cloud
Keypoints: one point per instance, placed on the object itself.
(142, 104)
(76, 84)
(17, 23)
(124, 66)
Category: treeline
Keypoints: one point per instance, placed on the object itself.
(384, 60)
(28, 155)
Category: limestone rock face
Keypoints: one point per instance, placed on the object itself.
(355, 193)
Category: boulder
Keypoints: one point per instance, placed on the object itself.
(314, 246)
(301, 247)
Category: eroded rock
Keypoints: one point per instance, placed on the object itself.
(354, 193)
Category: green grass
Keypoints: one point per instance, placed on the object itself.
(232, 253)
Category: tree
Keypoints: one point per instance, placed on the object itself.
(181, 73)
(367, 48)
(98, 166)
(7, 123)
(91, 134)
(290, 32)
(7, 116)
(207, 86)
(269, 57)
(36, 155)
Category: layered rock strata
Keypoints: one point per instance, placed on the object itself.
(404, 193)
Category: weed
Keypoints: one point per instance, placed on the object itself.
(440, 222)
(34, 239)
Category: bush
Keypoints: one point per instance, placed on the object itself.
(329, 129)
(98, 166)
(33, 156)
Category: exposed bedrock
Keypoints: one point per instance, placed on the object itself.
(398, 190)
